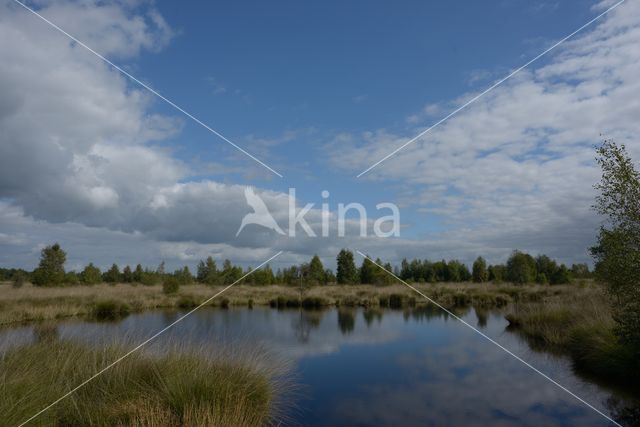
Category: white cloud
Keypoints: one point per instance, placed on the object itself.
(77, 166)
(516, 168)
(74, 136)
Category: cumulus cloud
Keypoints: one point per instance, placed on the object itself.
(74, 135)
(516, 168)
(78, 154)
(78, 163)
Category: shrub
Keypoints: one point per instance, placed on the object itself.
(50, 271)
(479, 270)
(542, 279)
(109, 310)
(112, 276)
(346, 272)
(19, 279)
(149, 278)
(71, 278)
(186, 302)
(521, 268)
(91, 275)
(171, 285)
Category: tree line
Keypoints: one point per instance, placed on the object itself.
(520, 268)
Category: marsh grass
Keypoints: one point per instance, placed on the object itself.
(110, 310)
(175, 387)
(31, 303)
(580, 326)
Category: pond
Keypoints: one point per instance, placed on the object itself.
(388, 367)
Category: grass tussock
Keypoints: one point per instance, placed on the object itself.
(110, 310)
(581, 327)
(170, 389)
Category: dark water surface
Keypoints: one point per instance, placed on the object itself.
(387, 367)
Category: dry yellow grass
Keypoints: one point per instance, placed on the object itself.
(194, 386)
(30, 303)
(582, 326)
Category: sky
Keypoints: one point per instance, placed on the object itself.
(318, 92)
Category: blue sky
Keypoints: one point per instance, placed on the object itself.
(263, 70)
(319, 91)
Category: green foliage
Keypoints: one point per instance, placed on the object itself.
(561, 275)
(480, 273)
(617, 253)
(262, 277)
(289, 275)
(316, 274)
(150, 278)
(374, 273)
(521, 268)
(368, 272)
(230, 273)
(171, 285)
(422, 271)
(112, 275)
(208, 272)
(90, 275)
(50, 271)
(186, 302)
(452, 272)
(183, 276)
(346, 272)
(72, 278)
(137, 274)
(127, 275)
(329, 276)
(548, 271)
(18, 279)
(497, 273)
(580, 271)
(10, 274)
(542, 279)
(110, 310)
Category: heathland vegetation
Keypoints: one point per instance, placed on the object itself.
(56, 293)
(592, 316)
(601, 331)
(176, 387)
